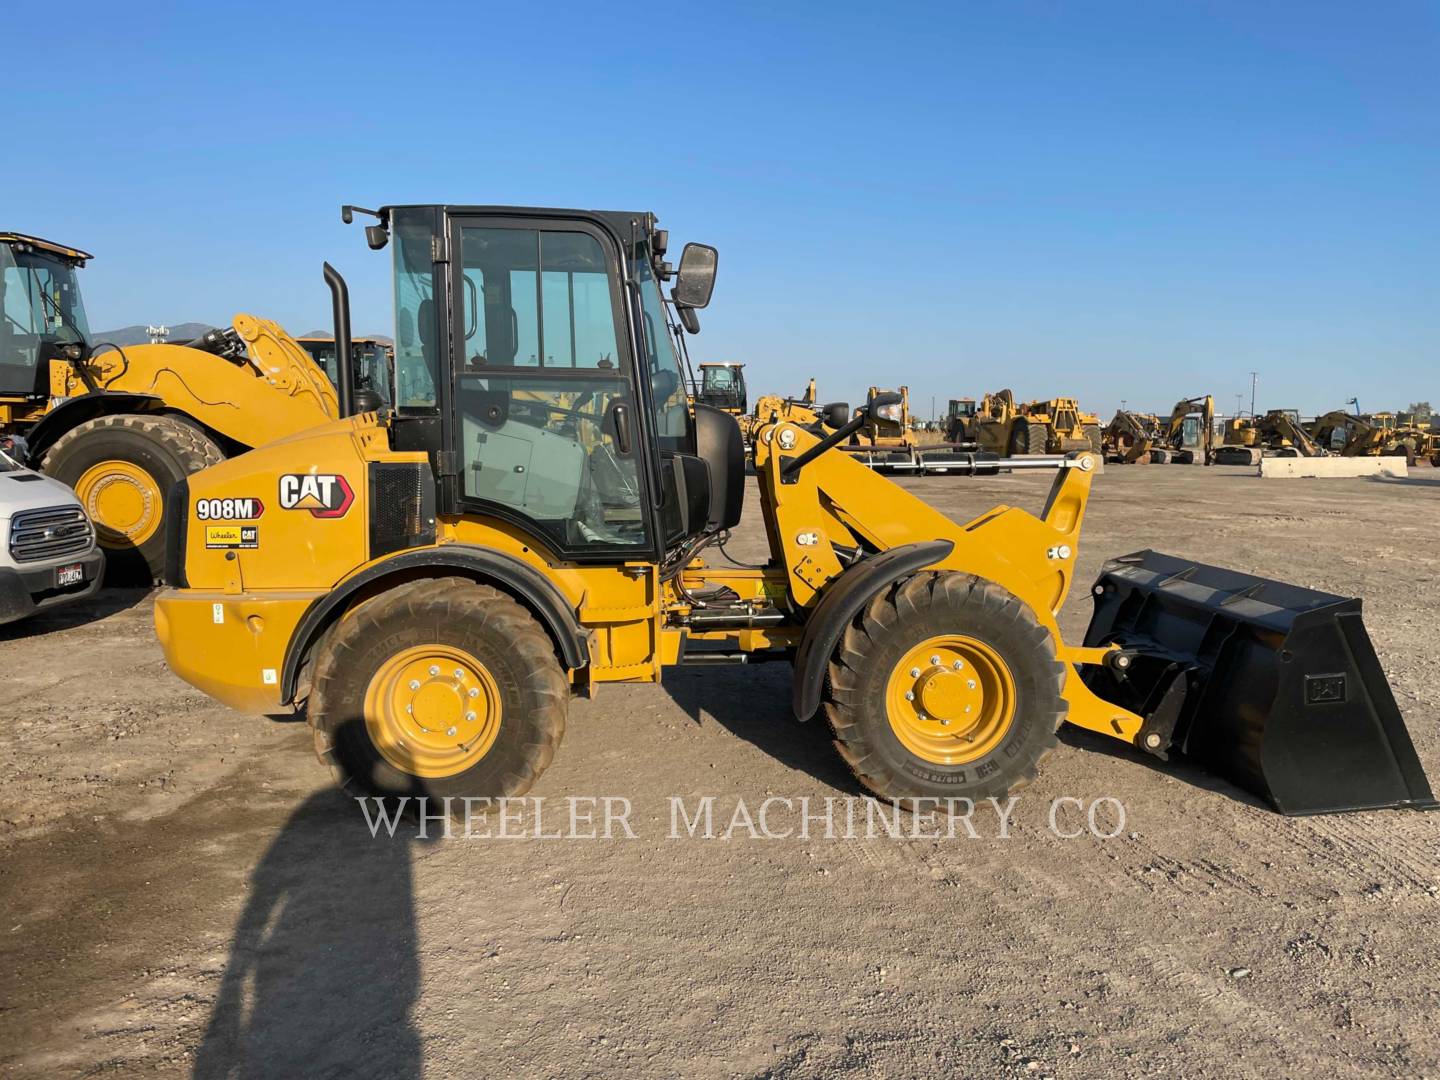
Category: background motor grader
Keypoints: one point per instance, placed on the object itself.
(121, 426)
(434, 582)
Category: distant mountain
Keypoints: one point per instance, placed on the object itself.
(136, 335)
(186, 331)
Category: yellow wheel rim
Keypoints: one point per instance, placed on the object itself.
(432, 710)
(123, 500)
(950, 699)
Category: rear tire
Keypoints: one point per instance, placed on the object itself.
(1093, 434)
(895, 748)
(488, 732)
(1028, 437)
(122, 467)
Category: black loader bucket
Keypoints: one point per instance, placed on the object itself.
(1272, 686)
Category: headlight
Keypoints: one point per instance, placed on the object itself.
(890, 413)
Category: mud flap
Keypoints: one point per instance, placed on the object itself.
(1273, 686)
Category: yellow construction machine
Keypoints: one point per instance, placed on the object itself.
(1278, 433)
(722, 386)
(371, 360)
(433, 583)
(801, 410)
(1054, 426)
(1351, 435)
(962, 422)
(1129, 437)
(1189, 435)
(122, 424)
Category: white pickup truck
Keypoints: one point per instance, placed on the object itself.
(47, 544)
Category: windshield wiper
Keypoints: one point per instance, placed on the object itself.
(54, 305)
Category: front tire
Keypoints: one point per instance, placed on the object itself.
(122, 468)
(439, 688)
(945, 685)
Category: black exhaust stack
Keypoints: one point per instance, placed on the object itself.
(344, 362)
(1273, 686)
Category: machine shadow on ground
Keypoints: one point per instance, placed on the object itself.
(1177, 768)
(101, 606)
(752, 702)
(324, 969)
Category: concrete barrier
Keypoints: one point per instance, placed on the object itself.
(1334, 466)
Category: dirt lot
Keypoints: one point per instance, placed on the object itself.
(181, 890)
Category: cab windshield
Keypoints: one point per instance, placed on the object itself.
(40, 298)
(667, 385)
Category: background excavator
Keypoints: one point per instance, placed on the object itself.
(122, 424)
(1278, 433)
(1189, 435)
(1129, 437)
(437, 580)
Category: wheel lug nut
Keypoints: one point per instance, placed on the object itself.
(935, 660)
(409, 708)
(914, 672)
(970, 684)
(450, 731)
(414, 684)
(957, 665)
(434, 669)
(944, 723)
(474, 692)
(459, 674)
(967, 708)
(909, 695)
(470, 716)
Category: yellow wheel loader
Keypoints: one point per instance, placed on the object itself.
(434, 582)
(122, 424)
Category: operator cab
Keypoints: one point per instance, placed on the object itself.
(370, 358)
(43, 314)
(722, 386)
(539, 362)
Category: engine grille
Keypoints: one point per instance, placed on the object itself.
(51, 532)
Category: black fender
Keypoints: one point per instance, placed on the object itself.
(841, 602)
(487, 565)
(77, 410)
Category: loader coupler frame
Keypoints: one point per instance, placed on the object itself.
(1273, 686)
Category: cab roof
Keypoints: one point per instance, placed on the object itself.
(619, 220)
(75, 254)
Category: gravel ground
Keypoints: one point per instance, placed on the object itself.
(181, 891)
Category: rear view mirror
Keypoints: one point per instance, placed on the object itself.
(696, 279)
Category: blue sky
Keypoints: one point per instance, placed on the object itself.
(1140, 200)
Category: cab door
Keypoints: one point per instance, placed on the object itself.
(547, 431)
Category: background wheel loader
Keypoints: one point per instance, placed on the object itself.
(435, 582)
(122, 425)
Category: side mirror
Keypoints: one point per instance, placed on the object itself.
(376, 236)
(696, 279)
(689, 320)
